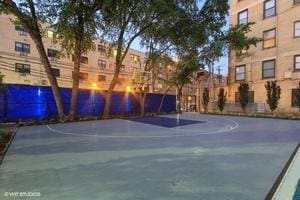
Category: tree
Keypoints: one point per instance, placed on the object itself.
(124, 21)
(183, 74)
(28, 15)
(297, 97)
(243, 95)
(238, 39)
(142, 87)
(273, 95)
(222, 98)
(157, 45)
(155, 62)
(75, 21)
(205, 99)
(182, 26)
(163, 98)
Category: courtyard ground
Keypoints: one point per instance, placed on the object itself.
(188, 156)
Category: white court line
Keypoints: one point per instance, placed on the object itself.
(230, 128)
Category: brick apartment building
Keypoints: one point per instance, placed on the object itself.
(277, 57)
(20, 62)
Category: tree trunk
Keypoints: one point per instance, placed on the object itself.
(31, 24)
(79, 35)
(106, 111)
(153, 80)
(75, 86)
(179, 95)
(51, 77)
(142, 102)
(162, 99)
(115, 80)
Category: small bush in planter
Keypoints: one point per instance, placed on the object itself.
(4, 137)
(244, 95)
(222, 98)
(273, 95)
(205, 99)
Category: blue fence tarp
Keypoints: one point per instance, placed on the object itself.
(20, 102)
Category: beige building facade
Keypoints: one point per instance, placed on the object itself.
(277, 57)
(20, 64)
(20, 61)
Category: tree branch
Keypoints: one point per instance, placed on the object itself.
(132, 39)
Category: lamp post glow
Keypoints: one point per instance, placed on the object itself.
(94, 86)
(128, 88)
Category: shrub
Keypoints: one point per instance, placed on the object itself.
(4, 136)
(205, 99)
(273, 94)
(222, 98)
(244, 95)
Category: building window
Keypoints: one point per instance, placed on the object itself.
(159, 85)
(52, 53)
(240, 73)
(121, 81)
(134, 57)
(44, 82)
(269, 38)
(250, 97)
(122, 68)
(83, 76)
(22, 68)
(22, 47)
(56, 72)
(22, 30)
(102, 49)
(269, 8)
(83, 59)
(296, 1)
(101, 78)
(297, 29)
(243, 17)
(297, 62)
(102, 64)
(294, 99)
(268, 69)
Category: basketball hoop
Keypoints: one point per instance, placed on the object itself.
(141, 79)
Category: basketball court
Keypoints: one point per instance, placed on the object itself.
(187, 156)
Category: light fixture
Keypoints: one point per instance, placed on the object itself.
(128, 88)
(94, 86)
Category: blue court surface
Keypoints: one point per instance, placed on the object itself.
(165, 121)
(201, 157)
